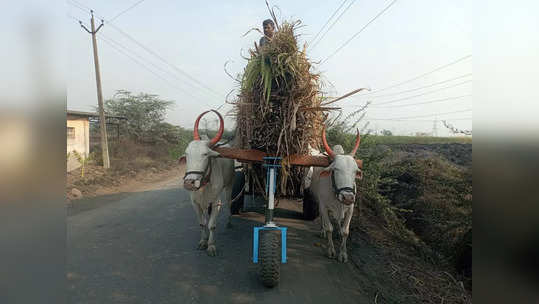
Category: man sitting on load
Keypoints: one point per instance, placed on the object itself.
(269, 27)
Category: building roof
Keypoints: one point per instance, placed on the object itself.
(91, 114)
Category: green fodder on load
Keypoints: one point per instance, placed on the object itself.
(278, 109)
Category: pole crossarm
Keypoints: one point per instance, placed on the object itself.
(84, 27)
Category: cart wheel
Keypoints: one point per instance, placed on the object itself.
(239, 183)
(310, 206)
(269, 258)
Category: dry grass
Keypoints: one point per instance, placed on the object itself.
(418, 212)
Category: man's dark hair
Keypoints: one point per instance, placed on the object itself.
(268, 21)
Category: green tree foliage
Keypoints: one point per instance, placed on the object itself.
(387, 133)
(145, 115)
(145, 125)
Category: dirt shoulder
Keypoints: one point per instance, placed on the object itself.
(98, 182)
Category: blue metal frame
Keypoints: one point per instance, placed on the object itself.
(283, 242)
(270, 163)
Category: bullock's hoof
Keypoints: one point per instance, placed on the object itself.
(203, 244)
(343, 257)
(212, 251)
(331, 253)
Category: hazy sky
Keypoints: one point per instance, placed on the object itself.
(410, 39)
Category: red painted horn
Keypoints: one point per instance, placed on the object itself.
(217, 137)
(195, 130)
(326, 146)
(219, 134)
(356, 145)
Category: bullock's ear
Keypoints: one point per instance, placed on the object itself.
(213, 153)
(359, 174)
(327, 170)
(182, 160)
(330, 167)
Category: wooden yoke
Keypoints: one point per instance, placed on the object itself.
(243, 155)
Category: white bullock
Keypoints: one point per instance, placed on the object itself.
(210, 180)
(334, 188)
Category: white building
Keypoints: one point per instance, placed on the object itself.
(78, 134)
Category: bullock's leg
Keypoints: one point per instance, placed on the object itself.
(323, 233)
(212, 251)
(345, 229)
(328, 229)
(227, 199)
(202, 221)
(322, 229)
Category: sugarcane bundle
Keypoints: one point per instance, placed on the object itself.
(279, 107)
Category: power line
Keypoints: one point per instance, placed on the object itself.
(420, 76)
(333, 15)
(200, 84)
(419, 120)
(361, 30)
(334, 22)
(76, 5)
(71, 16)
(414, 96)
(427, 102)
(80, 6)
(109, 41)
(419, 88)
(111, 44)
(469, 118)
(115, 45)
(420, 116)
(126, 10)
(422, 94)
(128, 50)
(164, 60)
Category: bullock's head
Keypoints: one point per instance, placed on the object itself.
(198, 155)
(343, 170)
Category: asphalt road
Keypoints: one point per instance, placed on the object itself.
(141, 248)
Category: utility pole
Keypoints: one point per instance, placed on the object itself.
(102, 122)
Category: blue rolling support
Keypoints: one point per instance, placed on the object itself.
(283, 242)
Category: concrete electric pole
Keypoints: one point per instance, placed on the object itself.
(102, 122)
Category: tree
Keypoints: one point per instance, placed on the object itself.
(145, 115)
(386, 132)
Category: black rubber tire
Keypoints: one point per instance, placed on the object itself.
(310, 206)
(239, 183)
(269, 258)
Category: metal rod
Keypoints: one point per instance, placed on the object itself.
(271, 196)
